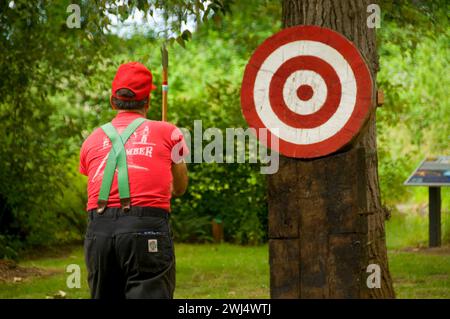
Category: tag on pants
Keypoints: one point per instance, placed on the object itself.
(153, 245)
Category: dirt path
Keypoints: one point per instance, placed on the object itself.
(440, 251)
(11, 272)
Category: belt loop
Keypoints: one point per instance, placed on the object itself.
(101, 205)
(126, 204)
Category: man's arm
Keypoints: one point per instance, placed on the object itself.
(180, 178)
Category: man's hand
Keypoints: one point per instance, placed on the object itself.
(180, 178)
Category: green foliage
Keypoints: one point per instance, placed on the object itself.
(191, 229)
(55, 86)
(175, 15)
(39, 58)
(416, 19)
(414, 121)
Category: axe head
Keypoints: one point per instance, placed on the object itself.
(164, 56)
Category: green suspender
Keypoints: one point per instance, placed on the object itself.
(117, 157)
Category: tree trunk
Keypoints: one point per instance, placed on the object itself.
(326, 221)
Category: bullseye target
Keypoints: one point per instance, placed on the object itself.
(310, 88)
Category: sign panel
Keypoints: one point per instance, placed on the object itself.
(431, 172)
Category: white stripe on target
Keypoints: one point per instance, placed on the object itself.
(305, 77)
(338, 119)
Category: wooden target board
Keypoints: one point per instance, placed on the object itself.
(310, 88)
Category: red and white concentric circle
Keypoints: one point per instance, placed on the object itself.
(310, 87)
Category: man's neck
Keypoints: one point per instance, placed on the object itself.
(141, 112)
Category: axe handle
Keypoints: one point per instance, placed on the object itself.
(164, 95)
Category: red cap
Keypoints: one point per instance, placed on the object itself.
(135, 77)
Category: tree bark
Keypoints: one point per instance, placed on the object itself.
(326, 221)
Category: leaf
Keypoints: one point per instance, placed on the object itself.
(181, 42)
(186, 35)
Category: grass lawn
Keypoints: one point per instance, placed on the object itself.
(203, 271)
(421, 274)
(229, 271)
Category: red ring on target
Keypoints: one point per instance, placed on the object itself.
(330, 105)
(322, 130)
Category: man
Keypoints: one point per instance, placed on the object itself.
(134, 166)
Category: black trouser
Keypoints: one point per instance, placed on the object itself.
(130, 255)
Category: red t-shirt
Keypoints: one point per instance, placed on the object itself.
(149, 158)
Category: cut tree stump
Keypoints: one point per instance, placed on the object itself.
(325, 239)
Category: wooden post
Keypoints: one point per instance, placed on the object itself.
(380, 98)
(434, 203)
(217, 230)
(326, 221)
(318, 233)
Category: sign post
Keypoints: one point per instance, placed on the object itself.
(434, 202)
(434, 173)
